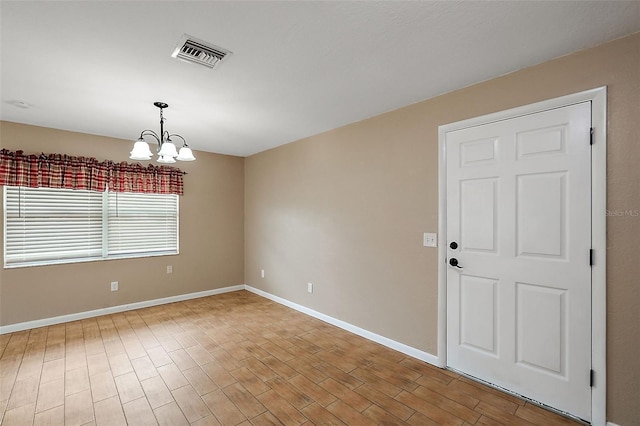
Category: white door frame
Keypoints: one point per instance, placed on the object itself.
(598, 98)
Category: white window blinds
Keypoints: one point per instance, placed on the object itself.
(142, 223)
(45, 225)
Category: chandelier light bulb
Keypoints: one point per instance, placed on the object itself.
(140, 151)
(166, 159)
(185, 154)
(168, 149)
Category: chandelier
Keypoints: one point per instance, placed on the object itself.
(167, 152)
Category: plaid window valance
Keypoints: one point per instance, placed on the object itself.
(64, 171)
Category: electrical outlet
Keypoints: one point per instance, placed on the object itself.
(114, 285)
(169, 269)
(430, 239)
(310, 287)
(261, 273)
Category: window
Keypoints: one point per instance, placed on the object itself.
(47, 226)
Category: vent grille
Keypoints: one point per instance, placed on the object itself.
(191, 49)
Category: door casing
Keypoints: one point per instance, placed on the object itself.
(598, 99)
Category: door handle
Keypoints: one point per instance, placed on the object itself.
(454, 262)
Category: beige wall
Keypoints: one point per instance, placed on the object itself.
(211, 238)
(346, 210)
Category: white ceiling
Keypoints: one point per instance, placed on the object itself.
(297, 69)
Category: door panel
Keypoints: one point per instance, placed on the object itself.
(548, 141)
(518, 305)
(473, 153)
(540, 213)
(541, 318)
(478, 306)
(478, 214)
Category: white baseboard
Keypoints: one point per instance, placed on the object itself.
(114, 309)
(400, 347)
(611, 424)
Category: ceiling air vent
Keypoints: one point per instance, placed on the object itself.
(191, 49)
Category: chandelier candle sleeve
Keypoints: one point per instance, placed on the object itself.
(167, 151)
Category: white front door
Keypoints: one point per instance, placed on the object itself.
(519, 226)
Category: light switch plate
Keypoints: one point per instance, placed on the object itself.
(430, 239)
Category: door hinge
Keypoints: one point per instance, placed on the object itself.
(591, 132)
(592, 376)
(591, 257)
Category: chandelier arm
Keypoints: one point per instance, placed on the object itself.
(150, 133)
(184, 142)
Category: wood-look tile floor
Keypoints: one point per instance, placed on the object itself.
(232, 359)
